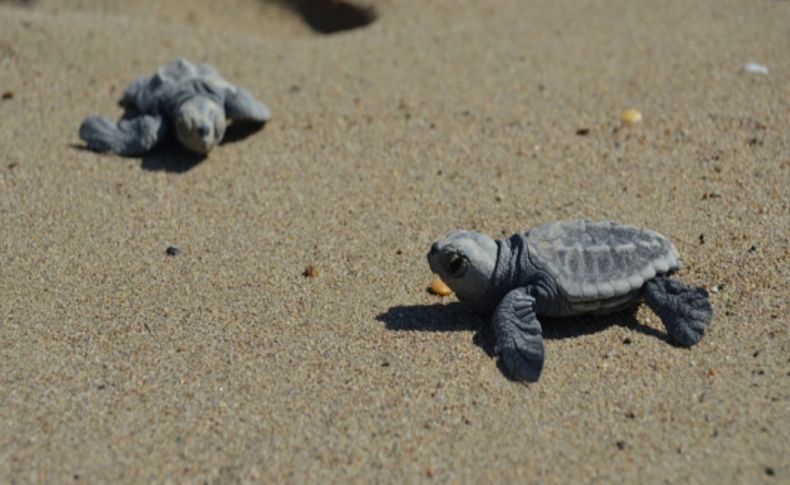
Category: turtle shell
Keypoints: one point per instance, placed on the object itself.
(595, 262)
(146, 92)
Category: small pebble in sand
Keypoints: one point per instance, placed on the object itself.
(755, 68)
(438, 287)
(8, 95)
(172, 250)
(631, 116)
(311, 272)
(583, 131)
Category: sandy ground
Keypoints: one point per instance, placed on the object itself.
(119, 363)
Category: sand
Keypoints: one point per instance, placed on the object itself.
(224, 363)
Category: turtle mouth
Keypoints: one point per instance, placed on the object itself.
(434, 265)
(195, 143)
(202, 148)
(433, 258)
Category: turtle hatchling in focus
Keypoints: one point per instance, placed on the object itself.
(564, 269)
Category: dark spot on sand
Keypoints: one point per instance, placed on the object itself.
(310, 271)
(620, 445)
(583, 131)
(12, 165)
(753, 249)
(172, 251)
(701, 238)
(627, 341)
(385, 364)
(8, 95)
(769, 471)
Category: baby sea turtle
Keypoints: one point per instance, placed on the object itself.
(563, 269)
(191, 99)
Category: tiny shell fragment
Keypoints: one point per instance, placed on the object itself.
(438, 287)
(631, 116)
(755, 68)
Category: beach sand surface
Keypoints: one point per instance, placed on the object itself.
(224, 363)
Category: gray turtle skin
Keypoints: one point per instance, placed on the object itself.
(562, 269)
(191, 100)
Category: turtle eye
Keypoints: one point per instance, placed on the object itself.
(456, 265)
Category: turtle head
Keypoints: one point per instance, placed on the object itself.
(465, 261)
(200, 124)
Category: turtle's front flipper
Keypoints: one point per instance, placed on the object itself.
(241, 106)
(685, 310)
(518, 335)
(128, 137)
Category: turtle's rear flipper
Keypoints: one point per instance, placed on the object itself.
(133, 93)
(685, 310)
(128, 137)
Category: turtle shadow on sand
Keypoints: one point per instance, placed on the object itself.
(455, 317)
(170, 156)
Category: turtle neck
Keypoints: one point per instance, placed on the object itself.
(507, 272)
(186, 90)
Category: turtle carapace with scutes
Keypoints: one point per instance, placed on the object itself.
(564, 269)
(190, 100)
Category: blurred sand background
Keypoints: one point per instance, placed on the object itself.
(119, 363)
